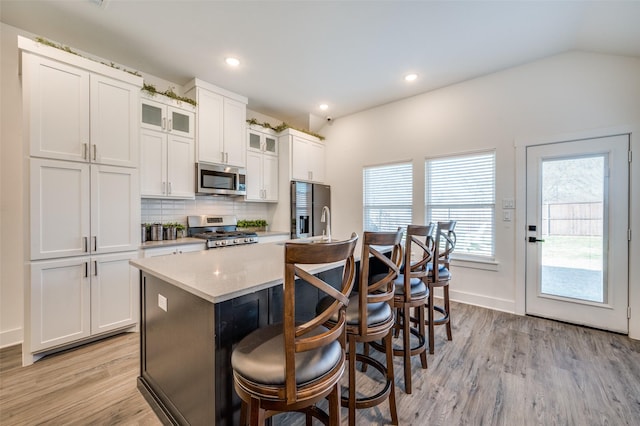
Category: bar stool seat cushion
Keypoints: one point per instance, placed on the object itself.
(417, 285)
(443, 272)
(377, 313)
(260, 357)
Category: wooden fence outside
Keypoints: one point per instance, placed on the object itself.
(584, 219)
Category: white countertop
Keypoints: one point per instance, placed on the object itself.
(221, 274)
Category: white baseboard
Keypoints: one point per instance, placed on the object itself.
(494, 303)
(10, 337)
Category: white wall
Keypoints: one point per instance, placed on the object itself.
(12, 171)
(562, 94)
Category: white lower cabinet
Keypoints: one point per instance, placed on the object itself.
(75, 298)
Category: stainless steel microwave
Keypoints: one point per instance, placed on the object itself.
(219, 179)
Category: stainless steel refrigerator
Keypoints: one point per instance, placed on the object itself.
(307, 201)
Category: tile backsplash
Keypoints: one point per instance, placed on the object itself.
(163, 211)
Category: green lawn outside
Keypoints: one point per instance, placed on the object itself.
(584, 252)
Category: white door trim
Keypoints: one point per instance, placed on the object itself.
(521, 145)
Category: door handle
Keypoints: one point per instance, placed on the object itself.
(535, 240)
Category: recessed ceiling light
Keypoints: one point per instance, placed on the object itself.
(410, 77)
(324, 107)
(234, 62)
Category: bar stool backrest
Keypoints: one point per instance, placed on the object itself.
(304, 337)
(381, 290)
(445, 243)
(420, 243)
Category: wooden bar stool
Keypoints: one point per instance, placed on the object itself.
(412, 292)
(370, 317)
(445, 243)
(289, 366)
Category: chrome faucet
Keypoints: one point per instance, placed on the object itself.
(326, 218)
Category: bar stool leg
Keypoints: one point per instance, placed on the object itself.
(391, 377)
(352, 381)
(406, 336)
(448, 310)
(421, 331)
(431, 325)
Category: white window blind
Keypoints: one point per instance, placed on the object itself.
(462, 188)
(388, 197)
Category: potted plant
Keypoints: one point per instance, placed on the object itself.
(256, 225)
(180, 230)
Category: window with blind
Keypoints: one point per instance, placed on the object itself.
(462, 188)
(387, 197)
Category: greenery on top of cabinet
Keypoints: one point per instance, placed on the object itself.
(169, 93)
(282, 127)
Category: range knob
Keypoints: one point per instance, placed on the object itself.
(236, 241)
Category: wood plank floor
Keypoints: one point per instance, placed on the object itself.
(500, 369)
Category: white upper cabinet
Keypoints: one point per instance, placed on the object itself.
(306, 156)
(79, 209)
(235, 117)
(77, 115)
(220, 124)
(262, 140)
(167, 169)
(167, 115)
(167, 146)
(56, 100)
(114, 122)
(262, 165)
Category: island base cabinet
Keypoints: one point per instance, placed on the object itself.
(235, 319)
(187, 342)
(177, 353)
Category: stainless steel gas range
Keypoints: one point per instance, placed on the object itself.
(219, 231)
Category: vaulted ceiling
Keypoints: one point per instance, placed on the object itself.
(351, 55)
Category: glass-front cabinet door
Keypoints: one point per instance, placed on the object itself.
(180, 122)
(271, 145)
(262, 142)
(153, 115)
(167, 118)
(254, 141)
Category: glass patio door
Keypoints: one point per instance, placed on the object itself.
(577, 232)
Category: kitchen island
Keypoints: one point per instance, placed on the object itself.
(194, 308)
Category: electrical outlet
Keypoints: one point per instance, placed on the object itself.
(506, 215)
(162, 302)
